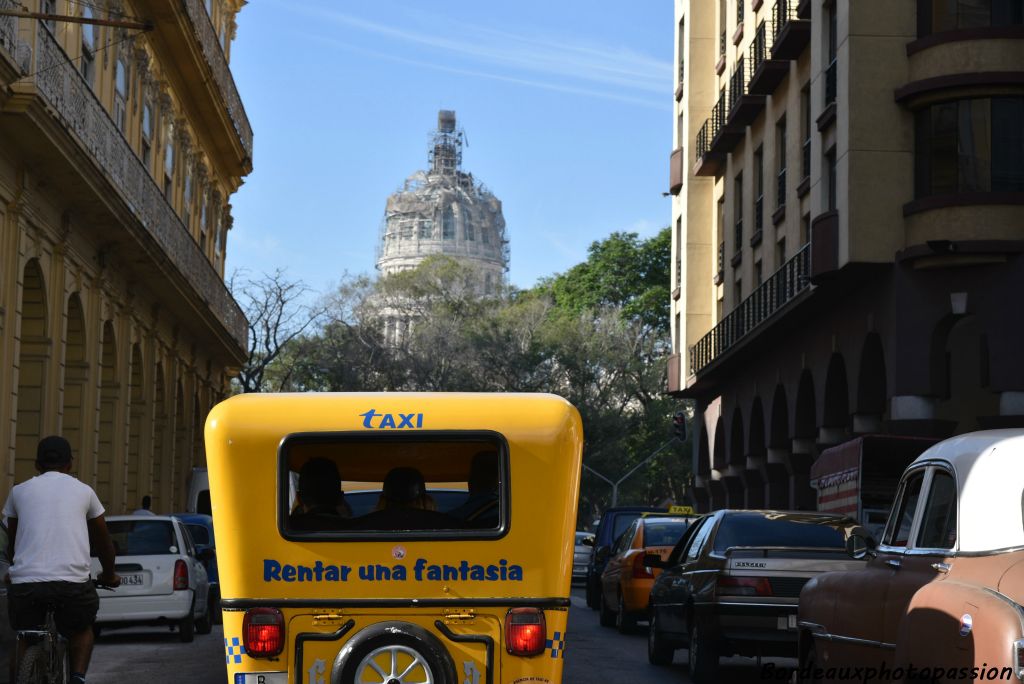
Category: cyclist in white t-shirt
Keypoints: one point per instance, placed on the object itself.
(51, 520)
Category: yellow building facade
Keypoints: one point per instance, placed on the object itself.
(848, 213)
(119, 151)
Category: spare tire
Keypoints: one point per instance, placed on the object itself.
(398, 653)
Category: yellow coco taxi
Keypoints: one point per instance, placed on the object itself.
(394, 538)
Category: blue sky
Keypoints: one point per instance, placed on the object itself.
(566, 106)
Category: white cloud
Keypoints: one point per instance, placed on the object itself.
(552, 63)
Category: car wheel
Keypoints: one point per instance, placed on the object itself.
(593, 595)
(808, 664)
(624, 622)
(204, 625)
(215, 615)
(399, 658)
(703, 656)
(187, 628)
(607, 616)
(659, 652)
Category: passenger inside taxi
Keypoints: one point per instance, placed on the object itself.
(320, 501)
(481, 508)
(405, 505)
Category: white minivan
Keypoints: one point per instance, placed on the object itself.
(199, 492)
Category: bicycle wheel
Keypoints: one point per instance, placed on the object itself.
(60, 666)
(33, 666)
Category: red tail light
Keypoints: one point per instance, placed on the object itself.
(743, 586)
(526, 632)
(641, 571)
(180, 575)
(263, 632)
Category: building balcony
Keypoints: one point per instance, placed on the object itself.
(766, 72)
(60, 125)
(185, 36)
(763, 304)
(744, 106)
(675, 171)
(15, 55)
(708, 162)
(717, 137)
(791, 32)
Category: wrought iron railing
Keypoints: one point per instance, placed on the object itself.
(781, 288)
(218, 63)
(738, 82)
(9, 41)
(830, 83)
(780, 186)
(682, 70)
(704, 138)
(739, 11)
(718, 115)
(722, 42)
(760, 47)
(783, 12)
(721, 262)
(75, 104)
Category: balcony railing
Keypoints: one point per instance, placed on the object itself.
(16, 49)
(830, 83)
(720, 274)
(703, 142)
(214, 54)
(790, 32)
(64, 89)
(737, 84)
(781, 288)
(760, 46)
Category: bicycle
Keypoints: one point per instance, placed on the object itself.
(43, 652)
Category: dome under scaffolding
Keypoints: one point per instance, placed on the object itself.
(445, 211)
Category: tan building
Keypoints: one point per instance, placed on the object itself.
(119, 151)
(849, 222)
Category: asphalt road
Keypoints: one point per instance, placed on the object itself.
(594, 655)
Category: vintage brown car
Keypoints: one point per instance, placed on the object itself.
(940, 597)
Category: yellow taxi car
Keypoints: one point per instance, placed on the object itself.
(399, 538)
(626, 582)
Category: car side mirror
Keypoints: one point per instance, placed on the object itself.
(653, 560)
(860, 545)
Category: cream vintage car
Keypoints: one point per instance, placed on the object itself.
(940, 596)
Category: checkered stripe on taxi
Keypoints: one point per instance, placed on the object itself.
(234, 650)
(556, 644)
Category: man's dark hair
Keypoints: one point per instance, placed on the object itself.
(147, 502)
(53, 452)
(319, 483)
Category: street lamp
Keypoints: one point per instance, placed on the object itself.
(615, 485)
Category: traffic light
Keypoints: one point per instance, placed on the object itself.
(679, 426)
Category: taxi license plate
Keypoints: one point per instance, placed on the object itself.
(132, 580)
(261, 678)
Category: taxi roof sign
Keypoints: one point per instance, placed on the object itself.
(681, 510)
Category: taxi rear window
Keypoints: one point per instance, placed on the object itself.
(415, 485)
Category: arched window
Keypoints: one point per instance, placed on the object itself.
(448, 224)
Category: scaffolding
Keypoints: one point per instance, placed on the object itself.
(444, 211)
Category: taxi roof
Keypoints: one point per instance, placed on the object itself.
(989, 470)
